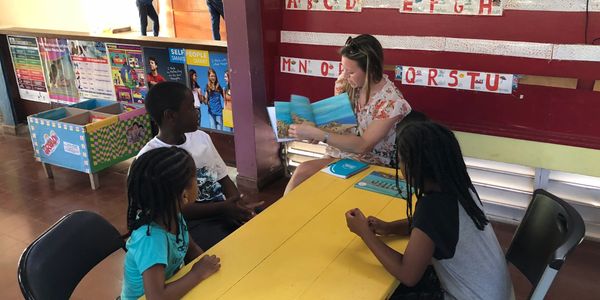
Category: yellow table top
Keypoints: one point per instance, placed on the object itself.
(300, 247)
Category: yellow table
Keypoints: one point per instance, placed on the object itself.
(301, 248)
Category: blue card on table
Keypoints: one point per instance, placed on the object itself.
(345, 168)
(383, 183)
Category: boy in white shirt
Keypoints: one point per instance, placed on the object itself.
(219, 209)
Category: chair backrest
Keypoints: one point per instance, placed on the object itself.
(52, 266)
(550, 229)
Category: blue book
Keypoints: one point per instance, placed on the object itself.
(345, 168)
(383, 183)
(334, 114)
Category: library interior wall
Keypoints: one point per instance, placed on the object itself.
(560, 119)
(69, 15)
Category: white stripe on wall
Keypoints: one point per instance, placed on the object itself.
(537, 5)
(495, 47)
(473, 46)
(582, 52)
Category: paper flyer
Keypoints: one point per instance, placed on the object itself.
(325, 5)
(212, 97)
(310, 67)
(92, 69)
(28, 68)
(127, 72)
(456, 79)
(160, 68)
(58, 70)
(453, 7)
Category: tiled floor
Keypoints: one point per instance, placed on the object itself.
(30, 203)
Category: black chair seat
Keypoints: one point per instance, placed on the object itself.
(53, 265)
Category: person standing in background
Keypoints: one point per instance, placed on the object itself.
(146, 9)
(215, 7)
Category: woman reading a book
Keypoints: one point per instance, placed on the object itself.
(378, 106)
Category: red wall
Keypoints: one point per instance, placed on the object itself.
(556, 115)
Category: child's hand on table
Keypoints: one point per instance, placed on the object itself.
(357, 222)
(206, 266)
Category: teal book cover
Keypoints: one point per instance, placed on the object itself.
(383, 183)
(334, 114)
(345, 168)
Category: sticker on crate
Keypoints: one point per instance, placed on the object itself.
(71, 148)
(135, 133)
(51, 142)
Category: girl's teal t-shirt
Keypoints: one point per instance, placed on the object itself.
(145, 251)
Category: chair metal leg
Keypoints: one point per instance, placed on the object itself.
(544, 284)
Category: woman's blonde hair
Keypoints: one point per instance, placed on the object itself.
(366, 50)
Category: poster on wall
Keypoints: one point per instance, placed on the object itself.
(310, 67)
(208, 78)
(160, 68)
(92, 70)
(325, 5)
(457, 79)
(127, 72)
(453, 7)
(28, 68)
(58, 70)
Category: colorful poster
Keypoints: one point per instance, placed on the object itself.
(58, 70)
(92, 70)
(325, 5)
(160, 68)
(127, 72)
(457, 79)
(28, 68)
(310, 67)
(209, 80)
(453, 7)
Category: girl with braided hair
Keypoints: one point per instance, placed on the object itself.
(448, 229)
(159, 182)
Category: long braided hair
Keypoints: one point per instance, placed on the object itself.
(430, 151)
(154, 186)
(366, 50)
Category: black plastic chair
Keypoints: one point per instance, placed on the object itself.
(549, 231)
(53, 265)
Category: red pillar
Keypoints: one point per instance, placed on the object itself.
(256, 152)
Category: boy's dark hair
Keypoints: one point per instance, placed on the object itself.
(154, 186)
(152, 58)
(430, 151)
(163, 96)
